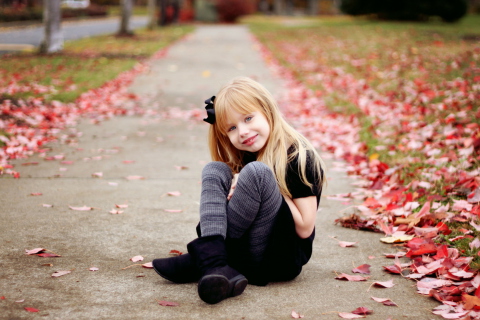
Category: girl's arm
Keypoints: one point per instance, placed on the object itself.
(304, 212)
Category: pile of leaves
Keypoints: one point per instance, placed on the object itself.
(402, 110)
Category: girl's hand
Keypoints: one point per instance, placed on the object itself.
(232, 188)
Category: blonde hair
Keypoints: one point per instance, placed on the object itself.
(245, 95)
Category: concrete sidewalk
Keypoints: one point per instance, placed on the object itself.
(170, 155)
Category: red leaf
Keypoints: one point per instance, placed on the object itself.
(347, 315)
(385, 301)
(48, 255)
(344, 276)
(174, 252)
(136, 258)
(364, 268)
(168, 303)
(384, 284)
(393, 269)
(34, 251)
(345, 244)
(362, 310)
(31, 309)
(296, 315)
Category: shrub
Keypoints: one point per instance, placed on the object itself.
(9, 14)
(231, 10)
(448, 10)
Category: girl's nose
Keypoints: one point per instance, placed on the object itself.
(243, 131)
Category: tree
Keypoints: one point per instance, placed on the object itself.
(127, 8)
(151, 14)
(278, 4)
(313, 7)
(52, 16)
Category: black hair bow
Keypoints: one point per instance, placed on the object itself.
(210, 111)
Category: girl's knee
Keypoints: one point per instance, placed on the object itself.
(259, 171)
(217, 168)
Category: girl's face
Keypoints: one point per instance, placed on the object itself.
(248, 132)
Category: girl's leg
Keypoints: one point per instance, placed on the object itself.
(209, 253)
(216, 182)
(252, 210)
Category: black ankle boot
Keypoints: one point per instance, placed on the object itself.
(179, 269)
(218, 281)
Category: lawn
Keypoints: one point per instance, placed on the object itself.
(66, 75)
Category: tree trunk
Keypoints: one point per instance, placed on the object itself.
(289, 7)
(163, 13)
(53, 41)
(279, 6)
(127, 7)
(313, 7)
(152, 21)
(263, 6)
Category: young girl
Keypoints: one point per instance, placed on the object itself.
(259, 198)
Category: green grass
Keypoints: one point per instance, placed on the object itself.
(84, 64)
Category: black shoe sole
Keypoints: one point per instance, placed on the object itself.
(215, 288)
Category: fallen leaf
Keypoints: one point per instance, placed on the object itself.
(296, 315)
(34, 251)
(97, 174)
(173, 210)
(115, 211)
(48, 255)
(168, 303)
(364, 268)
(147, 265)
(136, 258)
(348, 315)
(174, 193)
(93, 269)
(84, 208)
(385, 301)
(384, 284)
(344, 276)
(134, 178)
(121, 206)
(345, 244)
(61, 273)
(397, 239)
(47, 205)
(20, 301)
(31, 309)
(36, 194)
(175, 253)
(362, 311)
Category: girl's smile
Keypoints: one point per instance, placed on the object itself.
(248, 132)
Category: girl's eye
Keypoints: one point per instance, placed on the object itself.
(231, 128)
(248, 118)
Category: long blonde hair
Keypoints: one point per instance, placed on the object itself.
(245, 95)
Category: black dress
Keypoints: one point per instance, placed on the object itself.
(286, 252)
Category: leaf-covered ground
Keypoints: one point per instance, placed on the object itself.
(42, 94)
(399, 102)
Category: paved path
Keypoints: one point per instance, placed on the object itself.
(193, 70)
